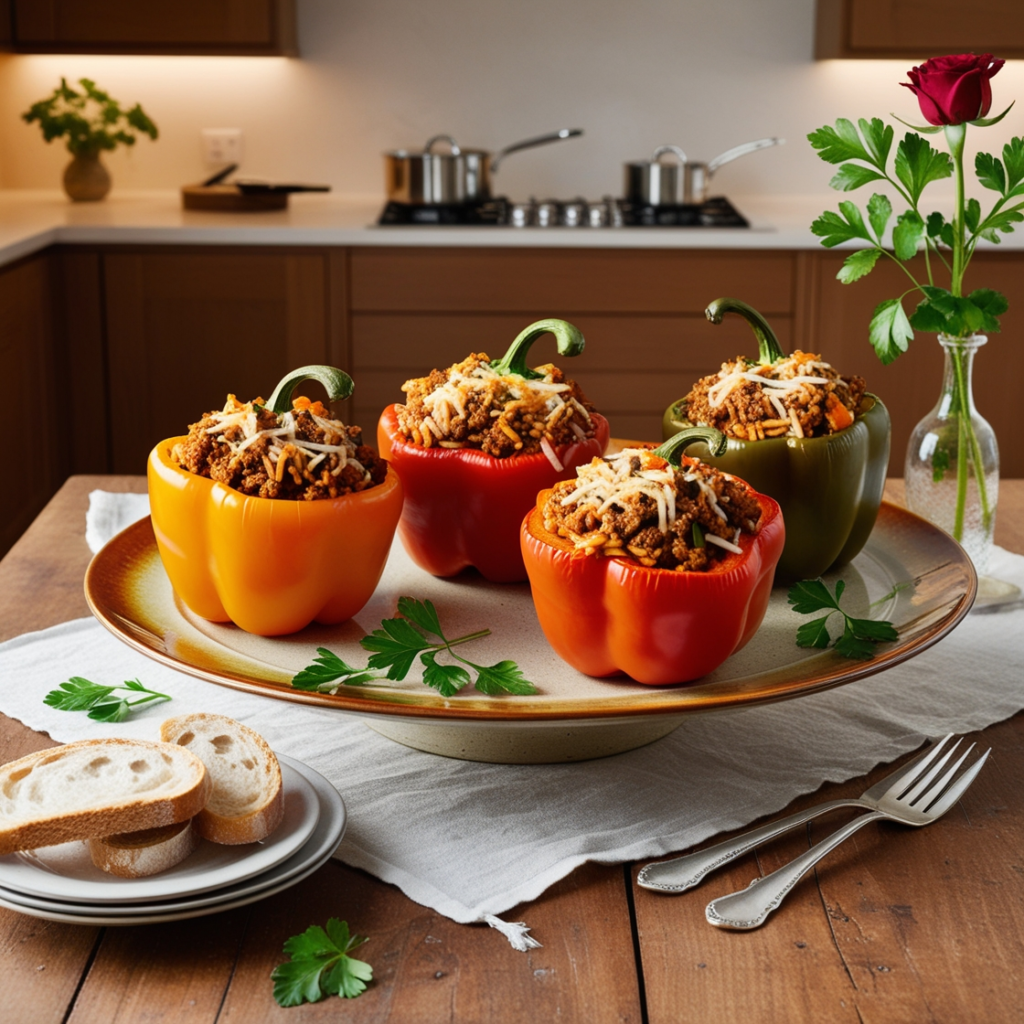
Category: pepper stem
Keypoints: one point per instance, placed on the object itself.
(672, 449)
(570, 343)
(769, 349)
(337, 382)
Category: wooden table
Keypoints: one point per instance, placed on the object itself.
(898, 925)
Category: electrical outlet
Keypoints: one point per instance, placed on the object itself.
(222, 146)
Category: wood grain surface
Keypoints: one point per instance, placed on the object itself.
(896, 926)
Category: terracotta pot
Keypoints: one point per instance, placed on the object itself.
(86, 179)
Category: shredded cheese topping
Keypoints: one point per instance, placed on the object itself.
(283, 440)
(634, 471)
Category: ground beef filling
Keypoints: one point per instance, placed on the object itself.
(469, 405)
(799, 396)
(300, 455)
(637, 505)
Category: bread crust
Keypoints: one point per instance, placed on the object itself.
(230, 829)
(140, 854)
(125, 811)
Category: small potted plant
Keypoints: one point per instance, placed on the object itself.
(91, 121)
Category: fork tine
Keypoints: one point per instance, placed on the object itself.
(937, 788)
(925, 783)
(958, 788)
(916, 767)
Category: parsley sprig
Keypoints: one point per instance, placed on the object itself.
(859, 635)
(395, 648)
(78, 694)
(321, 966)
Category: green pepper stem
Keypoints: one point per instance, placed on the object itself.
(337, 382)
(673, 448)
(570, 343)
(769, 349)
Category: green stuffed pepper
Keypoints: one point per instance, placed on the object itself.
(829, 481)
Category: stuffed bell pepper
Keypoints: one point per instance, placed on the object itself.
(814, 440)
(652, 564)
(475, 443)
(274, 515)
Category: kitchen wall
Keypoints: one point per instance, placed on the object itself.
(379, 74)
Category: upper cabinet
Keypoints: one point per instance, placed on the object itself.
(226, 27)
(918, 29)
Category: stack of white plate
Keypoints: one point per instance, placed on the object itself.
(60, 883)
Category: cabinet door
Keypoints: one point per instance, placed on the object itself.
(127, 26)
(642, 313)
(918, 29)
(910, 385)
(186, 328)
(30, 399)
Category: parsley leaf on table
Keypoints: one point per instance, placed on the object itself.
(320, 966)
(859, 635)
(78, 694)
(395, 646)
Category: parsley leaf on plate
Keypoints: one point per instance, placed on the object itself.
(859, 635)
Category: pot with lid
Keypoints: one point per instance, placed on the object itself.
(434, 177)
(678, 181)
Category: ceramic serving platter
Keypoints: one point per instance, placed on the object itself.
(323, 840)
(909, 572)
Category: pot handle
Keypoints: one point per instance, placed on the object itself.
(747, 147)
(443, 138)
(662, 150)
(539, 140)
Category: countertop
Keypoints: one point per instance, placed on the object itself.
(31, 220)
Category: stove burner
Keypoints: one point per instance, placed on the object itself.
(490, 211)
(716, 212)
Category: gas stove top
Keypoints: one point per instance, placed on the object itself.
(608, 212)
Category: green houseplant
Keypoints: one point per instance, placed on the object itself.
(952, 466)
(91, 121)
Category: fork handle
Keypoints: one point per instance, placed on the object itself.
(749, 907)
(682, 873)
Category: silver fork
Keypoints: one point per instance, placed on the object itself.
(682, 873)
(927, 799)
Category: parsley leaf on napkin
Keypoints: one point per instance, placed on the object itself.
(78, 694)
(320, 966)
(859, 635)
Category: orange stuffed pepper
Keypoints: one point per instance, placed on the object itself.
(274, 516)
(651, 565)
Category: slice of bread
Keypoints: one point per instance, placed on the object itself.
(95, 788)
(138, 854)
(247, 802)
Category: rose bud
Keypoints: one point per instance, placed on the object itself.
(955, 89)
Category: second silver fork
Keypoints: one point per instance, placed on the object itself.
(682, 873)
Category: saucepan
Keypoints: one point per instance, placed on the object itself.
(456, 176)
(676, 181)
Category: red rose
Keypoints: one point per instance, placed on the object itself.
(955, 89)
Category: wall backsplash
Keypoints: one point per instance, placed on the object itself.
(382, 74)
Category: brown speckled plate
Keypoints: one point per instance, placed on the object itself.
(574, 716)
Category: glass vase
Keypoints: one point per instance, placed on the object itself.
(952, 467)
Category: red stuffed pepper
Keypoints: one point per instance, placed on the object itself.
(475, 443)
(652, 565)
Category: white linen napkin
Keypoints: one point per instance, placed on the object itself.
(473, 840)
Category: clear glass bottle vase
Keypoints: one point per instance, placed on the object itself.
(952, 467)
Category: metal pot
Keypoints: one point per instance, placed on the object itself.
(656, 183)
(458, 176)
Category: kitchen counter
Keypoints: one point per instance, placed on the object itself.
(32, 220)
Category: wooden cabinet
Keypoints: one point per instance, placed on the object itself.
(36, 432)
(185, 327)
(642, 313)
(232, 27)
(918, 29)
